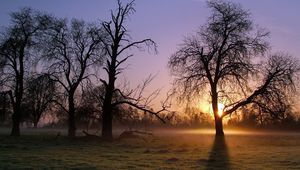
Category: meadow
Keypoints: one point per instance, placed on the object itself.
(167, 149)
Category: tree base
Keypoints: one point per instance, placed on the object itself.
(15, 131)
(71, 133)
(219, 126)
(219, 133)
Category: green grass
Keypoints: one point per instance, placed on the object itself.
(164, 151)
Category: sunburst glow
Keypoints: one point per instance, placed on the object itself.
(220, 109)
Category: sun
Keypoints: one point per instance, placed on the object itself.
(220, 109)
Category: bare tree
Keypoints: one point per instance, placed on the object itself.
(221, 57)
(70, 52)
(117, 43)
(39, 95)
(17, 48)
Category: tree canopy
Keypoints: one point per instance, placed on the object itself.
(222, 57)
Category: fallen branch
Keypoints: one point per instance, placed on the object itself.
(135, 134)
(90, 135)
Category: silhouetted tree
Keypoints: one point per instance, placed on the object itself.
(39, 95)
(70, 52)
(17, 46)
(221, 56)
(117, 44)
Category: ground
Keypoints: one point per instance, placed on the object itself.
(164, 150)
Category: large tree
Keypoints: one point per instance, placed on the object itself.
(223, 58)
(117, 45)
(17, 48)
(70, 52)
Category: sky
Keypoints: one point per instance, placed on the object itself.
(167, 22)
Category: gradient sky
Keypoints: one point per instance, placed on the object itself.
(167, 22)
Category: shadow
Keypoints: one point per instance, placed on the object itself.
(218, 156)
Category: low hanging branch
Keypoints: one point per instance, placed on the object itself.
(279, 82)
(135, 99)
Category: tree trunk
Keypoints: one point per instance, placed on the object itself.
(71, 122)
(15, 131)
(16, 117)
(219, 126)
(107, 105)
(35, 123)
(107, 125)
(3, 114)
(218, 118)
(107, 116)
(35, 119)
(18, 93)
(109, 91)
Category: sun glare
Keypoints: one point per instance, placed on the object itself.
(220, 109)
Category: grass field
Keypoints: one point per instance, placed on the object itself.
(167, 150)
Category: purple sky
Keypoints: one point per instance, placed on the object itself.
(167, 22)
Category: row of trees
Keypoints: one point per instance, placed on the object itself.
(225, 58)
(65, 55)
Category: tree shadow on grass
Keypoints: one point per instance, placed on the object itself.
(218, 157)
